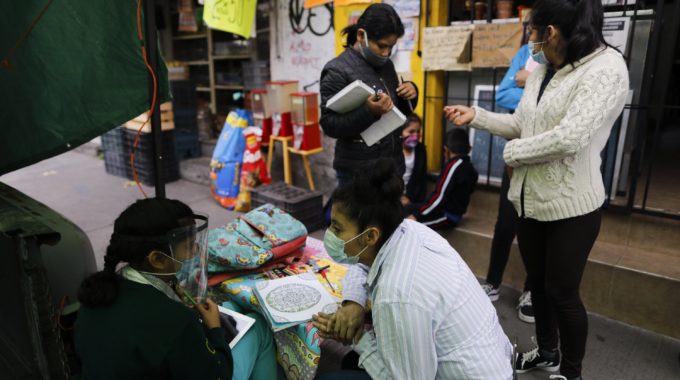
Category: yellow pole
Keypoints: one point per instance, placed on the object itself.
(433, 100)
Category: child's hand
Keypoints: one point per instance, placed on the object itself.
(324, 323)
(405, 201)
(209, 313)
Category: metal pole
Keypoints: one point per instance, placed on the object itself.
(151, 44)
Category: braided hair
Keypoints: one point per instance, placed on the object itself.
(145, 218)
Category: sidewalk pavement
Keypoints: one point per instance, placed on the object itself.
(76, 185)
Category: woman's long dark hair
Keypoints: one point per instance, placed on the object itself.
(579, 21)
(379, 21)
(373, 198)
(145, 218)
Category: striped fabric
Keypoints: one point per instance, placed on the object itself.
(353, 284)
(431, 318)
(436, 198)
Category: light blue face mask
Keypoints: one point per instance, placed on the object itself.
(335, 247)
(538, 57)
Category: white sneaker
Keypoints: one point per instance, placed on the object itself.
(491, 292)
(525, 310)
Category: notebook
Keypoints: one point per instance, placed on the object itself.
(353, 96)
(293, 300)
(243, 324)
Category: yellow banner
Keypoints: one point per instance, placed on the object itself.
(342, 3)
(315, 3)
(234, 16)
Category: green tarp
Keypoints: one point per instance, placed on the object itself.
(78, 74)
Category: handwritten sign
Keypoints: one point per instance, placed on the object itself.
(233, 16)
(447, 48)
(405, 8)
(494, 45)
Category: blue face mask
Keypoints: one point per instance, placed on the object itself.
(335, 247)
(538, 57)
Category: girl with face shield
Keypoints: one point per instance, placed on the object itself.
(151, 318)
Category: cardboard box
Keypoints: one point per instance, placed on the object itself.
(494, 45)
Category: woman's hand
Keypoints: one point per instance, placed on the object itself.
(209, 313)
(324, 323)
(407, 91)
(459, 115)
(349, 322)
(379, 104)
(521, 78)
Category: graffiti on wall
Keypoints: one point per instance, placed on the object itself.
(318, 20)
(305, 41)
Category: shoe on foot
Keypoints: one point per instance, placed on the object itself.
(525, 310)
(537, 359)
(491, 292)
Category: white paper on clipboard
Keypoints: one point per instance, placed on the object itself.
(243, 324)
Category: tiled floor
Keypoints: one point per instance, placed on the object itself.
(76, 185)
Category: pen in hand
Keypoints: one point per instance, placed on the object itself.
(410, 105)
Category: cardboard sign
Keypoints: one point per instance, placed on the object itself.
(494, 45)
(233, 16)
(447, 48)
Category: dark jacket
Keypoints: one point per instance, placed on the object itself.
(146, 335)
(417, 184)
(451, 197)
(351, 153)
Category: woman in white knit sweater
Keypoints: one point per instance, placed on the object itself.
(557, 133)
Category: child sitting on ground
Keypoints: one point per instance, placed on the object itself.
(447, 204)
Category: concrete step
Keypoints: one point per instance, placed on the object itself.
(196, 170)
(632, 275)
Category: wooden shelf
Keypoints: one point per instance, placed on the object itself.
(235, 56)
(231, 87)
(196, 63)
(203, 89)
(189, 36)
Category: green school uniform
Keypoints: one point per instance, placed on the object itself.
(146, 335)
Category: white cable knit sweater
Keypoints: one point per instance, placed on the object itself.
(555, 145)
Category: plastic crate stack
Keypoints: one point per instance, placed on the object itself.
(117, 145)
(255, 74)
(144, 156)
(304, 205)
(116, 155)
(184, 108)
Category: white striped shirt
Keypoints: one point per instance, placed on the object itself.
(431, 318)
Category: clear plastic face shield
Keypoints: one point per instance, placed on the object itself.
(188, 251)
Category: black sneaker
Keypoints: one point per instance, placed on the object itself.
(525, 310)
(538, 359)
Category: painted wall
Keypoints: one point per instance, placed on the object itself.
(301, 42)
